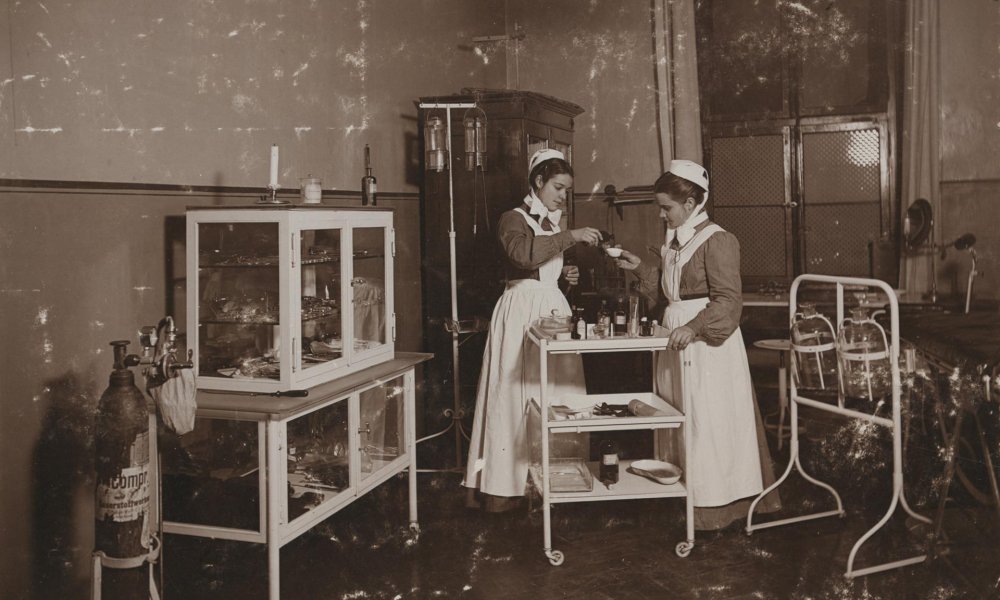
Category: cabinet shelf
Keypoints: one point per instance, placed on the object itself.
(272, 261)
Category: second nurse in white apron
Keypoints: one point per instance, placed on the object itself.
(533, 244)
(700, 277)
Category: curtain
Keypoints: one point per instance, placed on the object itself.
(677, 81)
(921, 167)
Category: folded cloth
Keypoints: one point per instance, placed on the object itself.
(176, 400)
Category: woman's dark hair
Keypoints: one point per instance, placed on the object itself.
(678, 187)
(549, 169)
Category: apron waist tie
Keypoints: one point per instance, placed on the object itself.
(531, 284)
(694, 296)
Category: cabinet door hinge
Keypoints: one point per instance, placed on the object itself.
(394, 327)
(392, 242)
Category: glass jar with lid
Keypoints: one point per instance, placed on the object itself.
(814, 351)
(863, 352)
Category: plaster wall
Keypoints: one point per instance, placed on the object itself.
(600, 55)
(187, 93)
(970, 143)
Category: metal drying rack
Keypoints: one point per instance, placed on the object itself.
(893, 424)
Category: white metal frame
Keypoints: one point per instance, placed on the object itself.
(630, 486)
(893, 424)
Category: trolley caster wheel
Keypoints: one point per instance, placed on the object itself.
(749, 532)
(415, 528)
(556, 557)
(683, 549)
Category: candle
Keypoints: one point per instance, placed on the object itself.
(274, 166)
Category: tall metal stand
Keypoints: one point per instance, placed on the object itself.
(894, 425)
(454, 326)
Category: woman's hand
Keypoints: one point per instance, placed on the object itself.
(628, 261)
(572, 274)
(587, 235)
(680, 338)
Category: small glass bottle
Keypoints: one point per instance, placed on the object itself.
(608, 472)
(645, 327)
(578, 325)
(602, 325)
(621, 317)
(369, 185)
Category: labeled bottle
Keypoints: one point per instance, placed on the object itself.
(578, 327)
(369, 185)
(621, 317)
(608, 471)
(602, 326)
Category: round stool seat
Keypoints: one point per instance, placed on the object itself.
(783, 345)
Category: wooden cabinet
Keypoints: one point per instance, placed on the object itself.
(518, 124)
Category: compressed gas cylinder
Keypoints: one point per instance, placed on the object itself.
(122, 527)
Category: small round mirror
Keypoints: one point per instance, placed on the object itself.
(920, 217)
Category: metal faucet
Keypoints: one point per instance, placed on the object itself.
(159, 352)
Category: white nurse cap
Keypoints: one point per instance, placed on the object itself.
(543, 155)
(690, 170)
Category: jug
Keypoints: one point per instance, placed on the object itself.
(863, 352)
(814, 351)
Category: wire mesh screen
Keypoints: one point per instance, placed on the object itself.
(842, 195)
(841, 166)
(840, 238)
(748, 196)
(761, 232)
(748, 171)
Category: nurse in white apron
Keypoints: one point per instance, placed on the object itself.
(700, 278)
(533, 243)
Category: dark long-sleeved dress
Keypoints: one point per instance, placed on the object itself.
(499, 449)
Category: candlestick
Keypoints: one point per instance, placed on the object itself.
(274, 166)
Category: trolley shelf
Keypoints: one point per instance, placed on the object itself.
(629, 487)
(668, 417)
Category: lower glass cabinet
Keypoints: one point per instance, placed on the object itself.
(265, 469)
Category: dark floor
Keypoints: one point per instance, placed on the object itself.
(614, 550)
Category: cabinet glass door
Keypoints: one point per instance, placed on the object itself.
(381, 426)
(318, 458)
(239, 329)
(322, 321)
(211, 475)
(368, 288)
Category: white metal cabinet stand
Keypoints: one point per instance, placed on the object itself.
(630, 485)
(893, 423)
(357, 405)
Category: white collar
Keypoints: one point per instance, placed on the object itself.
(536, 207)
(686, 231)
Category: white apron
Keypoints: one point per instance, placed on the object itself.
(500, 442)
(725, 461)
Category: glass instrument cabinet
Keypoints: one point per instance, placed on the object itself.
(287, 297)
(267, 469)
